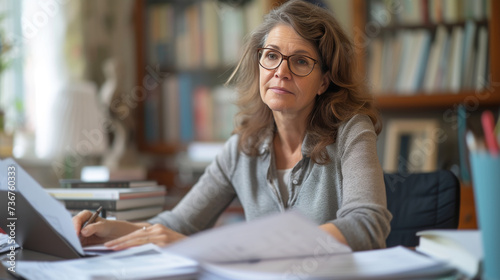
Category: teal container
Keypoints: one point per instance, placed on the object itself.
(486, 180)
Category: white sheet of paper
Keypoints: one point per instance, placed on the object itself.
(142, 262)
(5, 246)
(276, 236)
(391, 263)
(97, 250)
(99, 247)
(53, 211)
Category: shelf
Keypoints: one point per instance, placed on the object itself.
(431, 26)
(419, 101)
(187, 41)
(161, 148)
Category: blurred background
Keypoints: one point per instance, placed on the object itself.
(125, 84)
(134, 89)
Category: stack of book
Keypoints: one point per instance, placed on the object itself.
(120, 200)
(462, 249)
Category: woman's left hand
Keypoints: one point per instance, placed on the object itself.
(157, 234)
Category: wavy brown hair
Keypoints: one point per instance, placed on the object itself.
(345, 97)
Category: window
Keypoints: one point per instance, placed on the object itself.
(11, 79)
(35, 77)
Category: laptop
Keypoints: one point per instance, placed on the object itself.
(41, 223)
(32, 231)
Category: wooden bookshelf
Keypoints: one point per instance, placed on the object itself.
(411, 104)
(422, 100)
(175, 63)
(162, 150)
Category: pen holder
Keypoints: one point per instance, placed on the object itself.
(486, 180)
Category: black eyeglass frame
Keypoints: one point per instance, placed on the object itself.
(285, 57)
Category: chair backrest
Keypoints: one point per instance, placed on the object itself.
(421, 201)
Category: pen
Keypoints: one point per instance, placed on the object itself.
(497, 128)
(488, 123)
(93, 217)
(470, 139)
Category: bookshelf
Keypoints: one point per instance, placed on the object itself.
(423, 27)
(185, 52)
(367, 31)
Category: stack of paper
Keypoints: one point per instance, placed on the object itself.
(283, 246)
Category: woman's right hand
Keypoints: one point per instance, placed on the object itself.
(101, 230)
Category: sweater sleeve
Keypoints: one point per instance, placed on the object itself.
(208, 198)
(362, 217)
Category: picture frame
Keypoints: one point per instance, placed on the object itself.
(411, 146)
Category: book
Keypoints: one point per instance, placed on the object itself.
(114, 204)
(279, 246)
(375, 70)
(435, 11)
(108, 193)
(406, 55)
(203, 115)
(232, 32)
(170, 109)
(463, 249)
(413, 12)
(224, 110)
(152, 115)
(134, 214)
(468, 55)
(392, 68)
(254, 13)
(437, 51)
(210, 34)
(194, 50)
(104, 173)
(389, 52)
(455, 62)
(76, 184)
(480, 79)
(418, 61)
(440, 83)
(451, 11)
(186, 124)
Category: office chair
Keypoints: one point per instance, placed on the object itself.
(421, 201)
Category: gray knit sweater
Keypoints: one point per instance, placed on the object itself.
(348, 191)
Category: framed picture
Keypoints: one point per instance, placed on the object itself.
(411, 146)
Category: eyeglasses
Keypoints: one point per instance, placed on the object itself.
(300, 65)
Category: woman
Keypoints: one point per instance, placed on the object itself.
(305, 139)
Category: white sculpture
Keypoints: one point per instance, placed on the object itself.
(107, 93)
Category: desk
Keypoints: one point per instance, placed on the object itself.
(25, 255)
